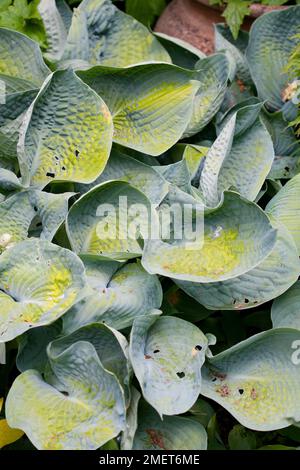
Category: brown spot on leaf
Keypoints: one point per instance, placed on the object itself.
(241, 85)
(156, 438)
(148, 357)
(223, 390)
(253, 394)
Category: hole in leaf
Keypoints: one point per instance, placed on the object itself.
(50, 175)
(76, 153)
(198, 347)
(35, 209)
(241, 391)
(63, 168)
(156, 351)
(180, 374)
(65, 393)
(247, 301)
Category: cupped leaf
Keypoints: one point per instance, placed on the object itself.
(284, 140)
(118, 295)
(228, 247)
(30, 212)
(66, 134)
(125, 168)
(39, 282)
(167, 354)
(23, 61)
(272, 39)
(151, 104)
(285, 207)
(285, 310)
(258, 380)
(101, 33)
(273, 276)
(171, 433)
(247, 113)
(84, 413)
(110, 345)
(241, 161)
(108, 220)
(212, 73)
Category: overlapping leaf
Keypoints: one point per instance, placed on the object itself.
(118, 294)
(39, 281)
(167, 355)
(285, 309)
(108, 220)
(87, 411)
(272, 39)
(273, 276)
(227, 248)
(151, 104)
(101, 33)
(257, 380)
(66, 133)
(171, 433)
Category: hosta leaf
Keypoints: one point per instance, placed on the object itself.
(182, 53)
(167, 354)
(23, 61)
(171, 433)
(100, 33)
(51, 209)
(247, 113)
(271, 41)
(86, 412)
(110, 345)
(285, 309)
(7, 434)
(100, 223)
(131, 420)
(212, 73)
(284, 139)
(66, 134)
(229, 248)
(234, 49)
(56, 31)
(284, 167)
(118, 295)
(150, 104)
(273, 276)
(240, 161)
(125, 168)
(9, 181)
(39, 281)
(2, 357)
(24, 210)
(32, 346)
(257, 380)
(285, 207)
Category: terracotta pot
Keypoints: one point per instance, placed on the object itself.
(193, 20)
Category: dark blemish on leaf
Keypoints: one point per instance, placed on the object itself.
(76, 153)
(50, 175)
(156, 351)
(65, 393)
(218, 375)
(247, 301)
(39, 224)
(198, 347)
(241, 391)
(156, 438)
(214, 379)
(35, 209)
(147, 356)
(63, 168)
(253, 394)
(56, 157)
(180, 374)
(286, 168)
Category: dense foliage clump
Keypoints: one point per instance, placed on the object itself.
(138, 341)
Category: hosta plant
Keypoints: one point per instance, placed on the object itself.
(114, 338)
